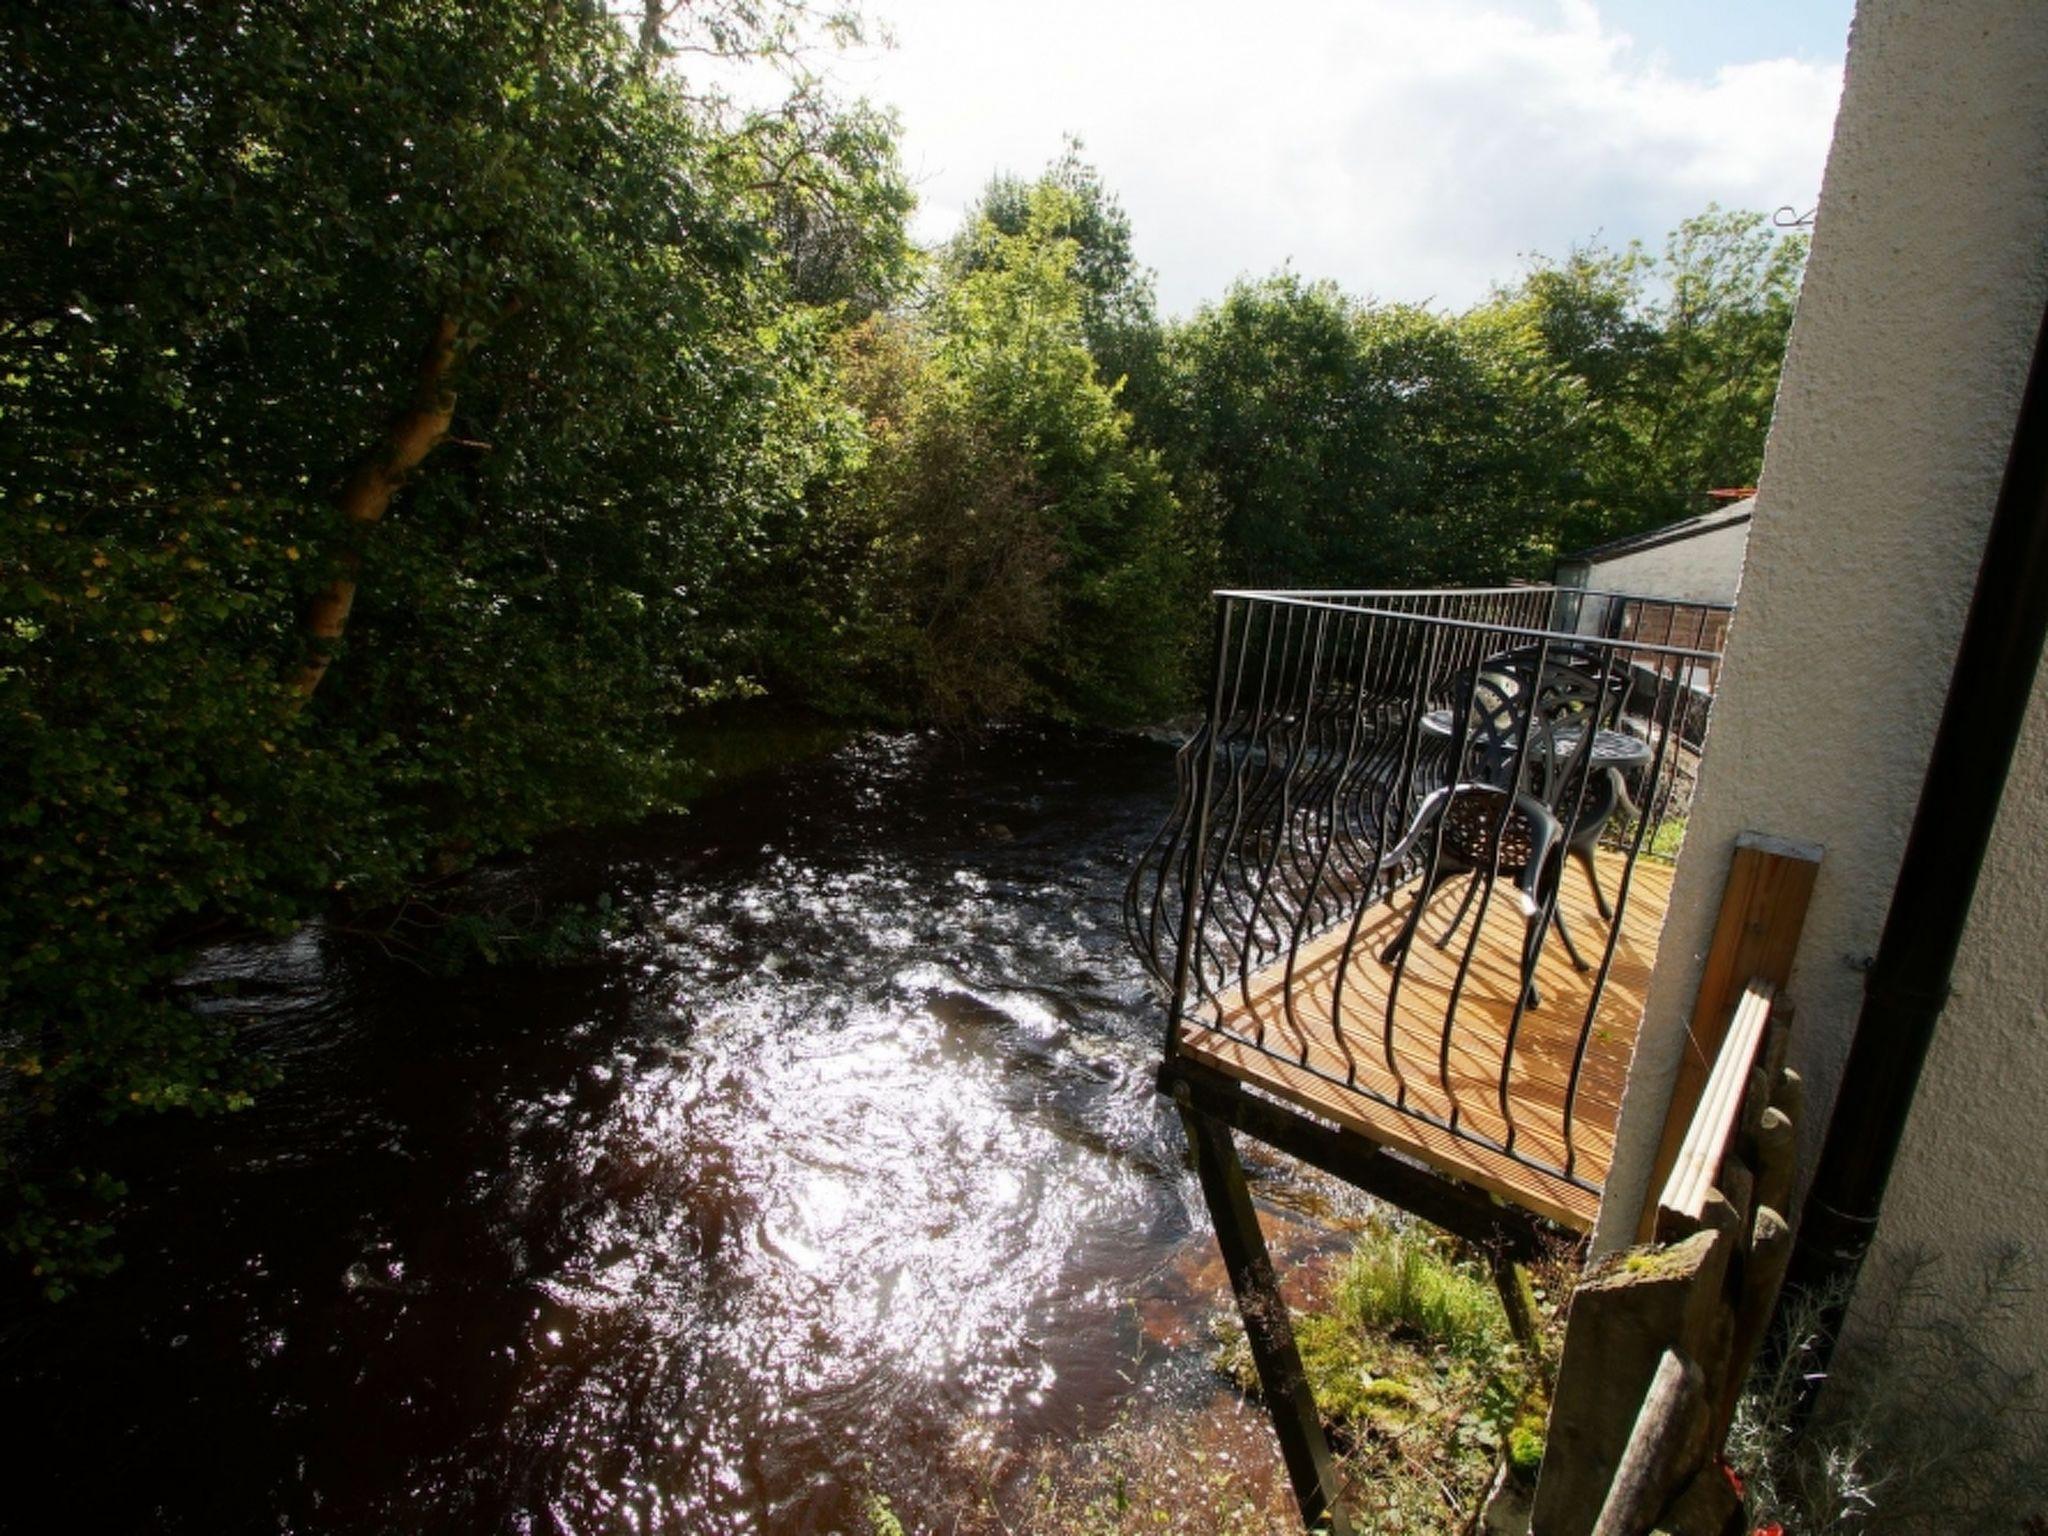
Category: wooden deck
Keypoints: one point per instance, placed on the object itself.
(1467, 1078)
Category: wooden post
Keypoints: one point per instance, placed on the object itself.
(1625, 1314)
(1777, 1144)
(1708, 1507)
(1266, 1325)
(1664, 1450)
(1763, 909)
(1763, 1275)
(1518, 1300)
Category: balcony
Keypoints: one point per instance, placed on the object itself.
(1417, 866)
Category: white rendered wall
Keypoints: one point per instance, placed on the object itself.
(1925, 289)
(1702, 569)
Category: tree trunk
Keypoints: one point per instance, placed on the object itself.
(367, 492)
(653, 17)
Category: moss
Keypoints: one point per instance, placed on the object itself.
(1525, 1446)
(1363, 1383)
(882, 1518)
(1665, 1258)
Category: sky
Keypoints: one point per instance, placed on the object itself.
(1414, 150)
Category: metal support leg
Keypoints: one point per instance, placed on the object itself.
(1471, 890)
(1266, 1324)
(1428, 888)
(1584, 856)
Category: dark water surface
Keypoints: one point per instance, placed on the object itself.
(843, 1151)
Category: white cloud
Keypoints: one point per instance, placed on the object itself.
(1413, 149)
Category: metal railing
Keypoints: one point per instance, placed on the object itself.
(1359, 744)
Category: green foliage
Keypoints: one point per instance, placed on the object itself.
(1661, 373)
(1358, 444)
(231, 231)
(1012, 335)
(1352, 444)
(1408, 1353)
(1002, 547)
(1119, 315)
(929, 573)
(882, 1519)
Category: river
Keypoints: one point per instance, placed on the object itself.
(838, 1163)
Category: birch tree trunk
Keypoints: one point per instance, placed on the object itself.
(366, 494)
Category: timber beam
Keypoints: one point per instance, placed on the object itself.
(1502, 1231)
(1267, 1327)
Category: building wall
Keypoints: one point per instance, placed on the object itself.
(1908, 353)
(1703, 569)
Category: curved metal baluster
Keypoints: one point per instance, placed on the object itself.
(1532, 701)
(1328, 844)
(1460, 729)
(1662, 750)
(1291, 757)
(1229, 858)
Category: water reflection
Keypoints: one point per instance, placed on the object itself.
(846, 1151)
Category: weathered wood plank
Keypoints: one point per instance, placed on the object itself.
(1705, 1151)
(1763, 911)
(1627, 1311)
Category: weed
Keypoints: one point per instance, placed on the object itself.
(882, 1519)
(1399, 1281)
(1924, 1428)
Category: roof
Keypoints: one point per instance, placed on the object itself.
(1731, 516)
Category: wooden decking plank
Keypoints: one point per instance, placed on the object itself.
(1544, 1045)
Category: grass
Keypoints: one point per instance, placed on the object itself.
(1424, 1390)
(1402, 1284)
(1665, 839)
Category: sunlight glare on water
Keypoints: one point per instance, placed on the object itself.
(843, 1155)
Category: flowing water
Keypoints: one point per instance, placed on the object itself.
(841, 1156)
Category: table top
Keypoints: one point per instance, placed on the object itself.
(1611, 749)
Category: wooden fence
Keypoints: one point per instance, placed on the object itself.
(1659, 1339)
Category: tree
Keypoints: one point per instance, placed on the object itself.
(1357, 444)
(387, 388)
(1732, 286)
(1012, 328)
(1353, 445)
(1667, 370)
(1002, 547)
(1119, 314)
